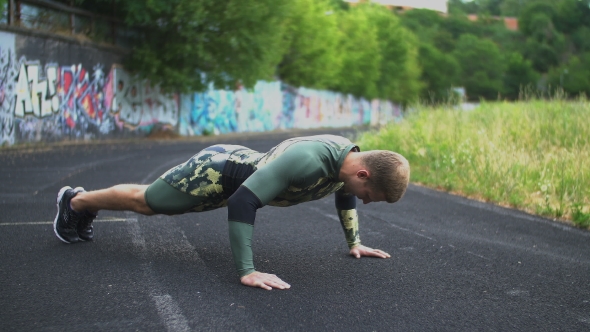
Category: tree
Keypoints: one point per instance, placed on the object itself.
(542, 55)
(440, 72)
(482, 67)
(531, 16)
(541, 28)
(418, 19)
(512, 8)
(424, 23)
(459, 24)
(572, 14)
(519, 74)
(463, 7)
(311, 58)
(361, 56)
(399, 72)
(544, 44)
(444, 41)
(490, 7)
(339, 4)
(573, 76)
(581, 39)
(186, 45)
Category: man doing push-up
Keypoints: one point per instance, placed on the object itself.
(295, 171)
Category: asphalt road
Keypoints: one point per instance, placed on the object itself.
(456, 265)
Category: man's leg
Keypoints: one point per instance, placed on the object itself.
(123, 197)
(77, 208)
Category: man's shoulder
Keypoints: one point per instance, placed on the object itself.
(311, 149)
(334, 141)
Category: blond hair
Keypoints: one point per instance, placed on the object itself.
(390, 173)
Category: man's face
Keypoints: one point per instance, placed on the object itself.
(358, 187)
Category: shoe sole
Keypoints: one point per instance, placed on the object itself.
(59, 197)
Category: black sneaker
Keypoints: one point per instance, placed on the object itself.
(66, 221)
(85, 231)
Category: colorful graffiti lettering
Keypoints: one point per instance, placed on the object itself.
(36, 94)
(55, 102)
(8, 75)
(275, 105)
(138, 103)
(79, 94)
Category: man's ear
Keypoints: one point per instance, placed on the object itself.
(362, 174)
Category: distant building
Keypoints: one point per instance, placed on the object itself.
(511, 23)
(440, 6)
(436, 5)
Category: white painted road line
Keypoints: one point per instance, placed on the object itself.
(51, 222)
(170, 313)
(168, 309)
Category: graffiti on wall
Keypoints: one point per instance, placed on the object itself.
(275, 105)
(55, 102)
(52, 101)
(8, 76)
(36, 94)
(138, 103)
(213, 112)
(82, 102)
(222, 111)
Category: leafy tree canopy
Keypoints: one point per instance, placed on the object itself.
(482, 67)
(518, 76)
(463, 7)
(365, 49)
(399, 72)
(581, 39)
(312, 58)
(573, 76)
(440, 72)
(528, 21)
(186, 45)
(361, 55)
(572, 14)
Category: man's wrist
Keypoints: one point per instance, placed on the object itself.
(354, 246)
(246, 273)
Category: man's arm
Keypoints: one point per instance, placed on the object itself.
(346, 208)
(242, 206)
(258, 190)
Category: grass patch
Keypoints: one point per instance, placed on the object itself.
(532, 155)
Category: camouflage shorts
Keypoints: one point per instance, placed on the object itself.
(194, 185)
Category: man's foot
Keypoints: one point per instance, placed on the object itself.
(85, 231)
(66, 221)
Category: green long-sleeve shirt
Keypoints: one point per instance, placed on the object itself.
(295, 171)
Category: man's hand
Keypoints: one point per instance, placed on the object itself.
(264, 280)
(361, 250)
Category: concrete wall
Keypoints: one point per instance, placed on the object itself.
(58, 88)
(275, 105)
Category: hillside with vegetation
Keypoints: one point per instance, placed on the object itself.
(366, 50)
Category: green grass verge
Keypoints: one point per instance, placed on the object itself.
(532, 155)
